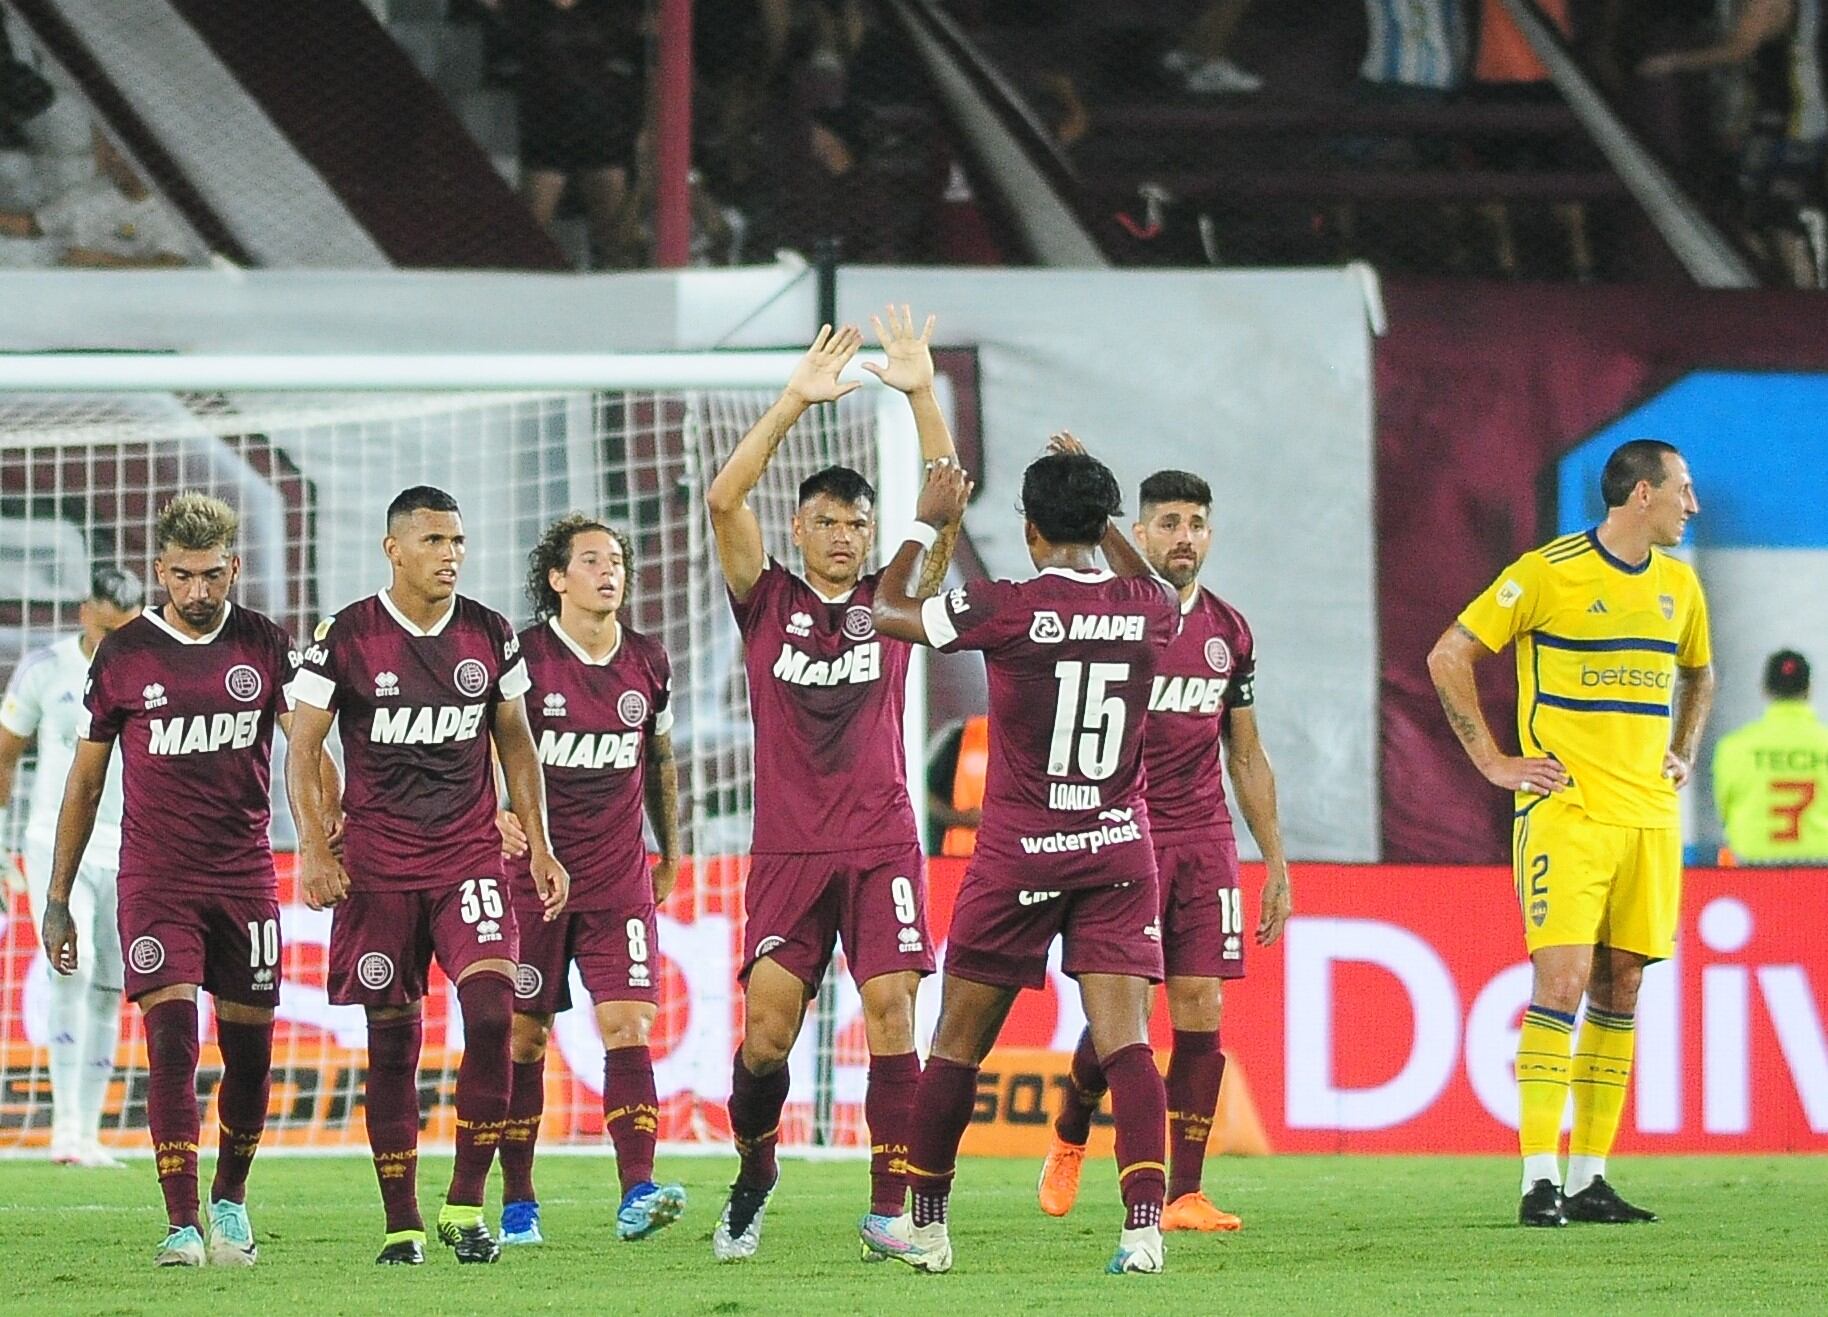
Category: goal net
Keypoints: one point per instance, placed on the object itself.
(309, 451)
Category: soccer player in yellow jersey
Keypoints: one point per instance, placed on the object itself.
(1614, 683)
(1771, 776)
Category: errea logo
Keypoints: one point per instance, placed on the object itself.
(800, 624)
(908, 940)
(155, 696)
(555, 705)
(385, 684)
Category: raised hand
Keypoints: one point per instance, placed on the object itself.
(1064, 442)
(943, 500)
(815, 379)
(910, 362)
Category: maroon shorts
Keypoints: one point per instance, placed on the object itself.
(1000, 935)
(382, 942)
(617, 951)
(876, 900)
(1202, 906)
(228, 945)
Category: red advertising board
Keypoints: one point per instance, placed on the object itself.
(1386, 1020)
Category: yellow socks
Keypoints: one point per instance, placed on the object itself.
(1543, 1046)
(1601, 1073)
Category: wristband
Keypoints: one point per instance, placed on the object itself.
(923, 534)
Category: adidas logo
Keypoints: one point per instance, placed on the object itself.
(1599, 606)
(386, 683)
(555, 705)
(155, 695)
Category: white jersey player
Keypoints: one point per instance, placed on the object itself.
(44, 700)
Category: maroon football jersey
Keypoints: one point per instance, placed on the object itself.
(1206, 671)
(1070, 656)
(826, 694)
(414, 709)
(592, 722)
(194, 719)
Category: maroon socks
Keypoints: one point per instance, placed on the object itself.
(1139, 1105)
(392, 1113)
(483, 1082)
(1074, 1123)
(171, 1105)
(241, 1104)
(755, 1121)
(526, 1104)
(631, 1112)
(942, 1107)
(888, 1106)
(1195, 1069)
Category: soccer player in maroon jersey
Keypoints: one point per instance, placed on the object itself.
(191, 691)
(1064, 845)
(599, 706)
(1203, 696)
(836, 852)
(421, 679)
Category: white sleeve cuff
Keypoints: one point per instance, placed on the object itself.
(17, 720)
(313, 688)
(515, 682)
(937, 622)
(663, 723)
(923, 534)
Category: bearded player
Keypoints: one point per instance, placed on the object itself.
(191, 690)
(421, 679)
(836, 854)
(599, 706)
(1203, 697)
(1615, 680)
(1063, 849)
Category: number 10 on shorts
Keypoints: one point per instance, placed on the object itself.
(263, 944)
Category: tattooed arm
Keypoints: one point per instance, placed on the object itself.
(1450, 663)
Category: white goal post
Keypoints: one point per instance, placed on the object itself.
(310, 447)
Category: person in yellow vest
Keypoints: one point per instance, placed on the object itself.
(1771, 776)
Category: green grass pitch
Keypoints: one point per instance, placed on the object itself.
(1322, 1234)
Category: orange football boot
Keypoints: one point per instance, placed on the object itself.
(1195, 1211)
(1059, 1187)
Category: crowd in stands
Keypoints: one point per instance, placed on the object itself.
(68, 195)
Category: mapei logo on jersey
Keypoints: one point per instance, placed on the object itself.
(155, 696)
(863, 663)
(1201, 695)
(632, 708)
(472, 677)
(203, 734)
(554, 705)
(859, 622)
(146, 955)
(406, 725)
(386, 684)
(489, 930)
(909, 941)
(1218, 655)
(596, 750)
(1107, 626)
(800, 624)
(1509, 593)
(244, 683)
(1047, 628)
(375, 970)
(528, 981)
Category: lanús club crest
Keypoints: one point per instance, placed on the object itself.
(243, 683)
(472, 677)
(859, 623)
(632, 708)
(1218, 656)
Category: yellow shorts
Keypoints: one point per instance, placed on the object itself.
(1580, 882)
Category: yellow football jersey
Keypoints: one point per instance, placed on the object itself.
(1771, 784)
(1598, 644)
